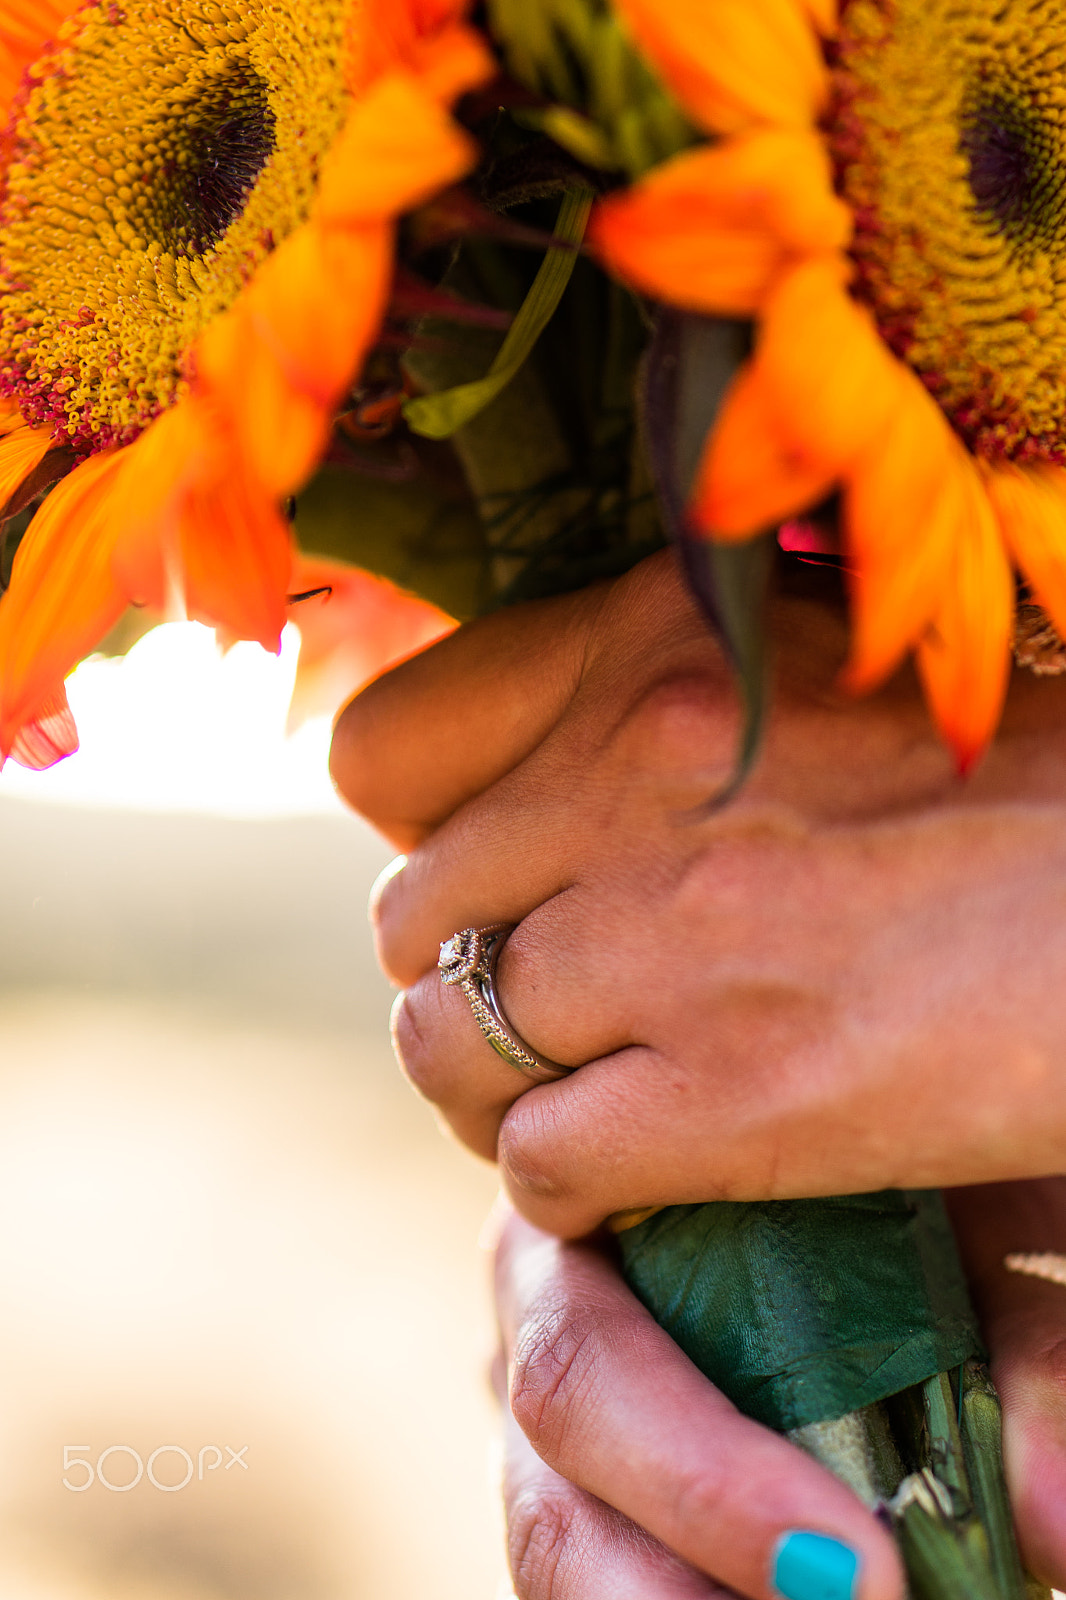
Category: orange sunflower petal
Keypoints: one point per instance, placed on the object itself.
(21, 449)
(194, 530)
(397, 147)
(734, 62)
(158, 472)
(713, 229)
(236, 554)
(63, 597)
(821, 388)
(750, 478)
(25, 27)
(280, 429)
(905, 501)
(832, 380)
(363, 626)
(427, 37)
(1030, 503)
(281, 358)
(51, 736)
(824, 14)
(964, 658)
(452, 63)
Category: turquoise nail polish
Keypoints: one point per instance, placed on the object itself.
(811, 1566)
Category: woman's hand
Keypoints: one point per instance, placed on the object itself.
(848, 978)
(628, 1475)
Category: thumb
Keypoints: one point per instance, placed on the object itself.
(440, 728)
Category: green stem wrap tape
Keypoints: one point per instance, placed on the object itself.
(803, 1310)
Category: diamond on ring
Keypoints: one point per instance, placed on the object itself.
(461, 955)
(468, 960)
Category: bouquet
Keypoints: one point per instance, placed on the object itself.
(383, 313)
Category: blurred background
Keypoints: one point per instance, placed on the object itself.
(227, 1227)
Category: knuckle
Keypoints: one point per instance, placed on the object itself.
(419, 1038)
(555, 1376)
(680, 729)
(355, 758)
(386, 895)
(727, 1491)
(540, 1542)
(703, 1500)
(347, 770)
(750, 868)
(390, 907)
(531, 1149)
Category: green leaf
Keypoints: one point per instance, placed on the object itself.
(437, 416)
(577, 52)
(689, 366)
(734, 580)
(575, 133)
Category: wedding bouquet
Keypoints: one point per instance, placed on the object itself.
(382, 313)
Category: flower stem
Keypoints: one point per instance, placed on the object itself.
(930, 1460)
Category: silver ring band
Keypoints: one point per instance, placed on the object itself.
(468, 960)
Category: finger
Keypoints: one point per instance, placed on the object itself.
(445, 1055)
(610, 1402)
(1025, 1324)
(447, 1058)
(633, 1127)
(611, 783)
(565, 1544)
(737, 1076)
(556, 985)
(571, 976)
(447, 723)
(497, 859)
(641, 1128)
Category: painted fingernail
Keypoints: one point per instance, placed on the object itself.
(810, 1566)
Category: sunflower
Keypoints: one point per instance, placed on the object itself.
(197, 212)
(885, 197)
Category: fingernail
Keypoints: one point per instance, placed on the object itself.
(810, 1566)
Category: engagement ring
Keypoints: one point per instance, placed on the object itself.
(468, 960)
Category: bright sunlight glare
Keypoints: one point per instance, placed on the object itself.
(176, 725)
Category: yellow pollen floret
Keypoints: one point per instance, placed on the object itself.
(949, 132)
(158, 153)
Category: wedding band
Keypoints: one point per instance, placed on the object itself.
(468, 960)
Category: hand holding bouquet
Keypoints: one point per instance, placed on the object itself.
(755, 997)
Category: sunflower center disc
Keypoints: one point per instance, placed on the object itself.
(949, 133)
(227, 145)
(157, 154)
